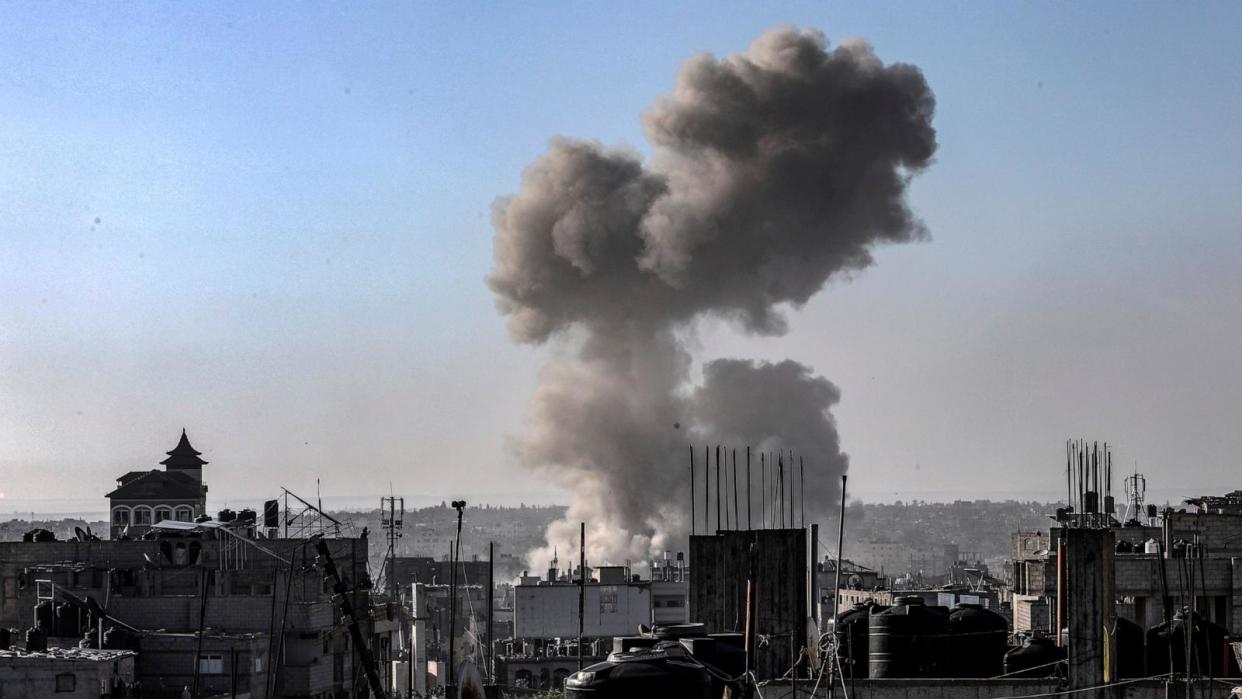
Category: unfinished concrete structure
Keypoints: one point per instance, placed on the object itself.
(776, 562)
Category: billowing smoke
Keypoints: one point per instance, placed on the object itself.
(771, 172)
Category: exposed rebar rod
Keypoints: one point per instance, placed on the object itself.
(748, 524)
(735, 524)
(717, 487)
(763, 490)
(693, 514)
(802, 490)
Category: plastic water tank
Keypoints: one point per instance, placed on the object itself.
(907, 640)
(1130, 654)
(45, 616)
(1034, 658)
(1208, 645)
(978, 640)
(1151, 546)
(852, 629)
(36, 640)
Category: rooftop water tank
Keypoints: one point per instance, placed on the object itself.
(852, 628)
(1037, 657)
(978, 640)
(907, 640)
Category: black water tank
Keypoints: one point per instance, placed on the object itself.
(36, 640)
(1130, 654)
(1210, 651)
(978, 640)
(664, 671)
(271, 513)
(852, 633)
(6, 638)
(226, 515)
(68, 620)
(45, 616)
(247, 516)
(1035, 658)
(907, 640)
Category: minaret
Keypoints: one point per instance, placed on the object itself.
(185, 458)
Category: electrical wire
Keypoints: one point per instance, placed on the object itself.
(1082, 689)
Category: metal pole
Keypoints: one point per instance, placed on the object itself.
(693, 514)
(763, 492)
(581, 586)
(802, 491)
(717, 487)
(707, 489)
(748, 524)
(460, 506)
(490, 656)
(202, 611)
(836, 585)
(735, 525)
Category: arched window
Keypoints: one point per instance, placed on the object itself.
(162, 513)
(120, 515)
(184, 514)
(142, 515)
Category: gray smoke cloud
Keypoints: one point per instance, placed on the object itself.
(772, 172)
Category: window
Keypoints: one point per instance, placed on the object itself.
(142, 515)
(120, 515)
(184, 514)
(162, 513)
(66, 682)
(211, 664)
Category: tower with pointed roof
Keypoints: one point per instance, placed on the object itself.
(185, 459)
(143, 498)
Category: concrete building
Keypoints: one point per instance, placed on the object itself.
(778, 562)
(259, 616)
(71, 673)
(143, 498)
(1211, 538)
(613, 607)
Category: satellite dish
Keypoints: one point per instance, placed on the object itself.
(81, 535)
(469, 682)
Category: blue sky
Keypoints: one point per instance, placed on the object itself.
(269, 224)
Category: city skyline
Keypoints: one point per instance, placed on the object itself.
(220, 222)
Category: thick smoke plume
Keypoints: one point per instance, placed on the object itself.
(772, 171)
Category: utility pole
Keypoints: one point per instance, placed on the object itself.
(392, 516)
(451, 684)
(490, 656)
(581, 586)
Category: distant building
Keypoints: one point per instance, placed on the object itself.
(143, 498)
(1147, 564)
(613, 606)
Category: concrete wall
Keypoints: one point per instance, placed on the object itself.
(780, 561)
(35, 675)
(551, 611)
(979, 689)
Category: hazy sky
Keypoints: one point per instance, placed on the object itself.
(270, 225)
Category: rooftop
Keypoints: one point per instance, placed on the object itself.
(89, 654)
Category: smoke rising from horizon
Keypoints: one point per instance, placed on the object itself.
(772, 171)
